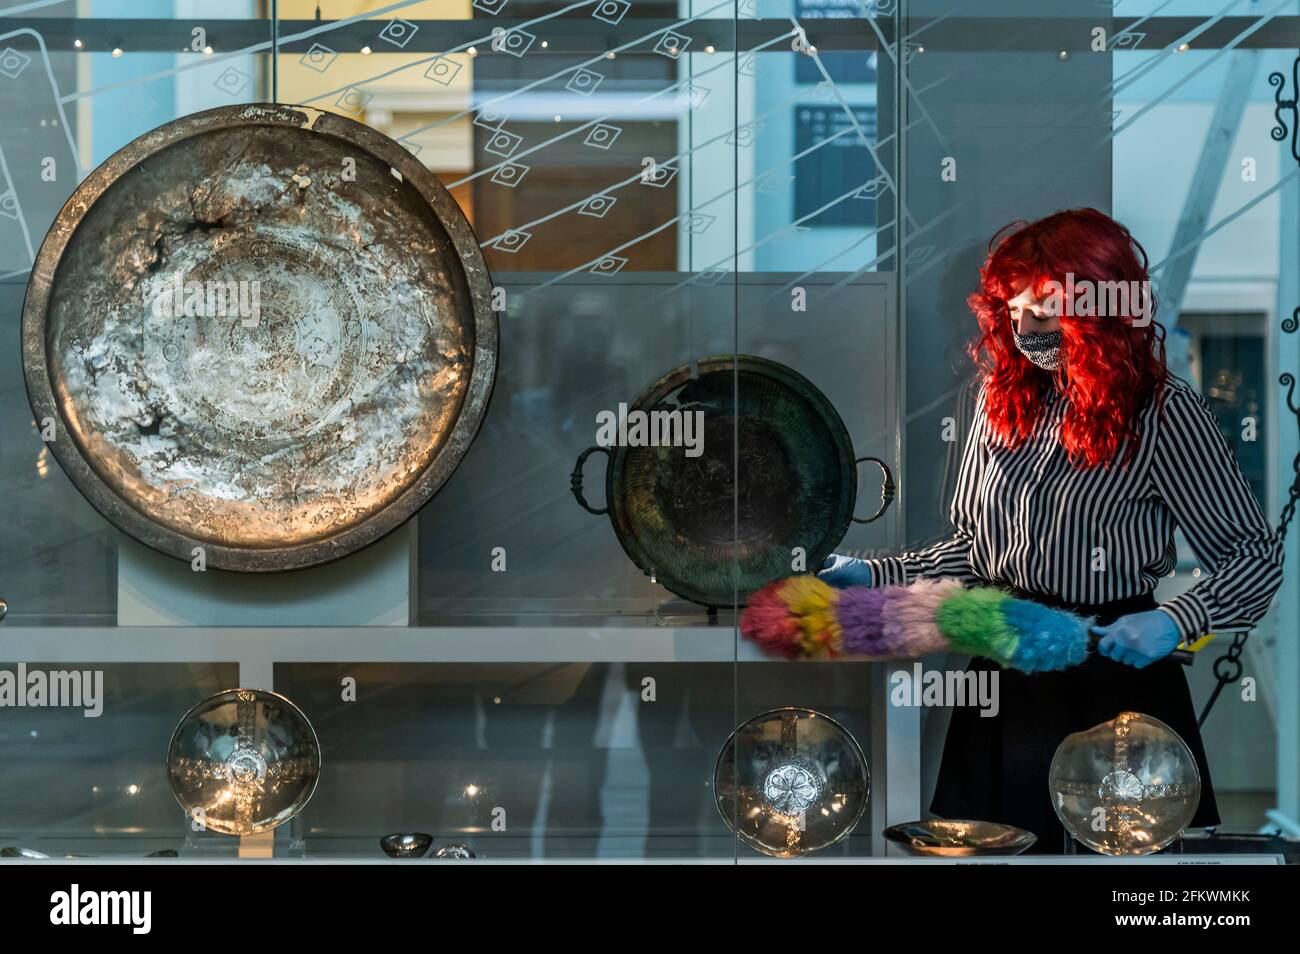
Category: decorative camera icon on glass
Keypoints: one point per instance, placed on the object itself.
(353, 99)
(1126, 40)
(672, 44)
(510, 174)
(583, 82)
(515, 42)
(609, 265)
(696, 222)
(13, 62)
(490, 6)
(231, 81)
(657, 176)
(443, 70)
(611, 11)
(512, 240)
(597, 206)
(692, 95)
(319, 58)
(873, 188)
(744, 136)
(602, 136)
(502, 143)
(398, 32)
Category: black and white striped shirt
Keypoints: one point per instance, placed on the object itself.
(1026, 517)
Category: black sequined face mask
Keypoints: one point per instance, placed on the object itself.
(1041, 347)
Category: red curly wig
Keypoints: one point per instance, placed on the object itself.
(1112, 366)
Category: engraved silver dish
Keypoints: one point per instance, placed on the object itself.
(1125, 787)
(791, 782)
(261, 330)
(243, 761)
(959, 838)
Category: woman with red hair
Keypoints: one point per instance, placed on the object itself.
(1084, 455)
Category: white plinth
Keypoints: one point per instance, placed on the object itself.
(369, 588)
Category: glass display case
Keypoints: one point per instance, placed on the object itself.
(747, 228)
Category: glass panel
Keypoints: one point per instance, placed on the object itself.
(731, 246)
(590, 148)
(1201, 177)
(84, 757)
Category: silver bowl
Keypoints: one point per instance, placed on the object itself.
(243, 761)
(1129, 786)
(791, 782)
(406, 844)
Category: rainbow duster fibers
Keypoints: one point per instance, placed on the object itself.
(813, 603)
(1049, 639)
(974, 623)
(909, 624)
(802, 616)
(859, 614)
(768, 621)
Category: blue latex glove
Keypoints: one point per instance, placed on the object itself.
(1138, 639)
(841, 571)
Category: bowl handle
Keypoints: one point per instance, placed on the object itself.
(886, 490)
(575, 479)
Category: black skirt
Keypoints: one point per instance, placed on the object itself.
(995, 769)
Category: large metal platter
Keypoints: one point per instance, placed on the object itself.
(315, 418)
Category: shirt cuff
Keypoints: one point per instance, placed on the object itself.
(888, 571)
(1189, 614)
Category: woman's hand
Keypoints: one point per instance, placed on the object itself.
(841, 571)
(1138, 639)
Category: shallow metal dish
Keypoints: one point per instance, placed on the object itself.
(340, 388)
(777, 472)
(791, 782)
(955, 838)
(407, 844)
(243, 761)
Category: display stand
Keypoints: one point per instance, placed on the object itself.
(369, 588)
(372, 587)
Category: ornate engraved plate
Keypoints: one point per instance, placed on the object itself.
(263, 330)
(791, 782)
(1125, 787)
(243, 761)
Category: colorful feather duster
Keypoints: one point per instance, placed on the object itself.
(803, 616)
